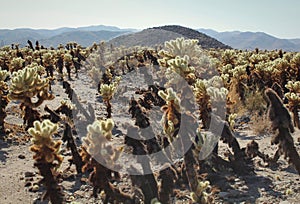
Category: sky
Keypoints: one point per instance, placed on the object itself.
(280, 18)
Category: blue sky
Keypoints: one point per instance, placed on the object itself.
(280, 18)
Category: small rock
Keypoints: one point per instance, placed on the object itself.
(21, 156)
(29, 174)
(27, 184)
(28, 179)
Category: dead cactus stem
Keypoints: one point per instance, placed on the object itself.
(281, 121)
(68, 136)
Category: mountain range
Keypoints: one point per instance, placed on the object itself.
(90, 34)
(47, 37)
(252, 40)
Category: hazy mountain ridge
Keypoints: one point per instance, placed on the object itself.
(252, 40)
(208, 38)
(53, 37)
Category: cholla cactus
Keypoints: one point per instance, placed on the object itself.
(231, 120)
(16, 64)
(3, 97)
(182, 47)
(176, 59)
(47, 58)
(107, 92)
(99, 154)
(96, 141)
(293, 86)
(47, 157)
(228, 57)
(172, 116)
(3, 74)
(208, 92)
(294, 100)
(26, 84)
(180, 67)
(201, 196)
(68, 64)
(45, 148)
(295, 61)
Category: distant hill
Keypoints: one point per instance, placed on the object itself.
(158, 35)
(149, 37)
(252, 40)
(52, 37)
(204, 40)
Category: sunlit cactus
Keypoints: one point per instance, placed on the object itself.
(44, 146)
(295, 61)
(201, 195)
(16, 64)
(293, 86)
(172, 112)
(3, 97)
(107, 91)
(96, 141)
(182, 47)
(99, 154)
(228, 57)
(208, 92)
(47, 157)
(26, 84)
(180, 67)
(68, 63)
(231, 120)
(293, 97)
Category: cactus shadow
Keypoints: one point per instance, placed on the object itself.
(3, 153)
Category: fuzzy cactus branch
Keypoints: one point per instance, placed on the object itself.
(47, 157)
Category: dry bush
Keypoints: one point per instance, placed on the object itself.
(255, 102)
(260, 124)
